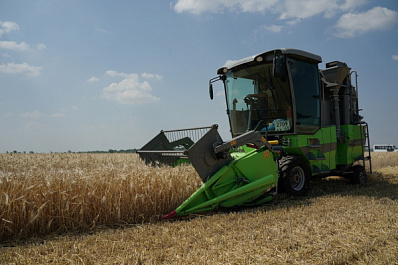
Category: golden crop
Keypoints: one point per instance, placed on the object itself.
(336, 223)
(43, 193)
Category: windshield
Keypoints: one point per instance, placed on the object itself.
(254, 95)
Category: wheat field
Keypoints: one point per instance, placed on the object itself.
(44, 193)
(105, 208)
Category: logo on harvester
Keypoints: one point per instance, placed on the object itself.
(233, 142)
(266, 154)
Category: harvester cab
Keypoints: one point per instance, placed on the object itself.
(289, 121)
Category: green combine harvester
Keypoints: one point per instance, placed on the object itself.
(290, 122)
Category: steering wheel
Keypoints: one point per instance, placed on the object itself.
(251, 98)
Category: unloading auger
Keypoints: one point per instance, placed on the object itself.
(289, 122)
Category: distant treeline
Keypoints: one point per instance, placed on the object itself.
(112, 151)
(82, 152)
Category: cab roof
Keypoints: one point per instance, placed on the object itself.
(269, 55)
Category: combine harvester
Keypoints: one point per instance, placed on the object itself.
(289, 122)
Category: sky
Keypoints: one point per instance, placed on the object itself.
(98, 75)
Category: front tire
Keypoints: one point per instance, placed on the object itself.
(294, 177)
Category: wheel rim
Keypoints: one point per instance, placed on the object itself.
(362, 177)
(297, 178)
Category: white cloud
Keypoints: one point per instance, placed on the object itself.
(216, 6)
(254, 5)
(377, 18)
(12, 45)
(7, 27)
(130, 90)
(286, 8)
(349, 25)
(294, 21)
(14, 68)
(103, 30)
(150, 76)
(35, 114)
(350, 4)
(304, 9)
(8, 115)
(92, 79)
(114, 73)
(41, 46)
(395, 57)
(265, 29)
(57, 115)
(301, 9)
(36, 126)
(273, 28)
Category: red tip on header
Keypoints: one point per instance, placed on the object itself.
(170, 215)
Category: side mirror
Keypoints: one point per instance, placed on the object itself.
(279, 66)
(211, 91)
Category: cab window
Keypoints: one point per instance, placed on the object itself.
(306, 93)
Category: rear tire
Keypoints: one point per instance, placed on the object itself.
(359, 175)
(294, 176)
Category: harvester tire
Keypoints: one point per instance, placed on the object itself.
(294, 176)
(359, 175)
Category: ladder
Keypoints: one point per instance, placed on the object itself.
(365, 144)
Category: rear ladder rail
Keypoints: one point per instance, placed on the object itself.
(365, 145)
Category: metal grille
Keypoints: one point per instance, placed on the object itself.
(168, 147)
(193, 133)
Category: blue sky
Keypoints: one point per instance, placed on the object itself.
(98, 75)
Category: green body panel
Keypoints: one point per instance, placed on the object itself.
(323, 152)
(244, 181)
(351, 148)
